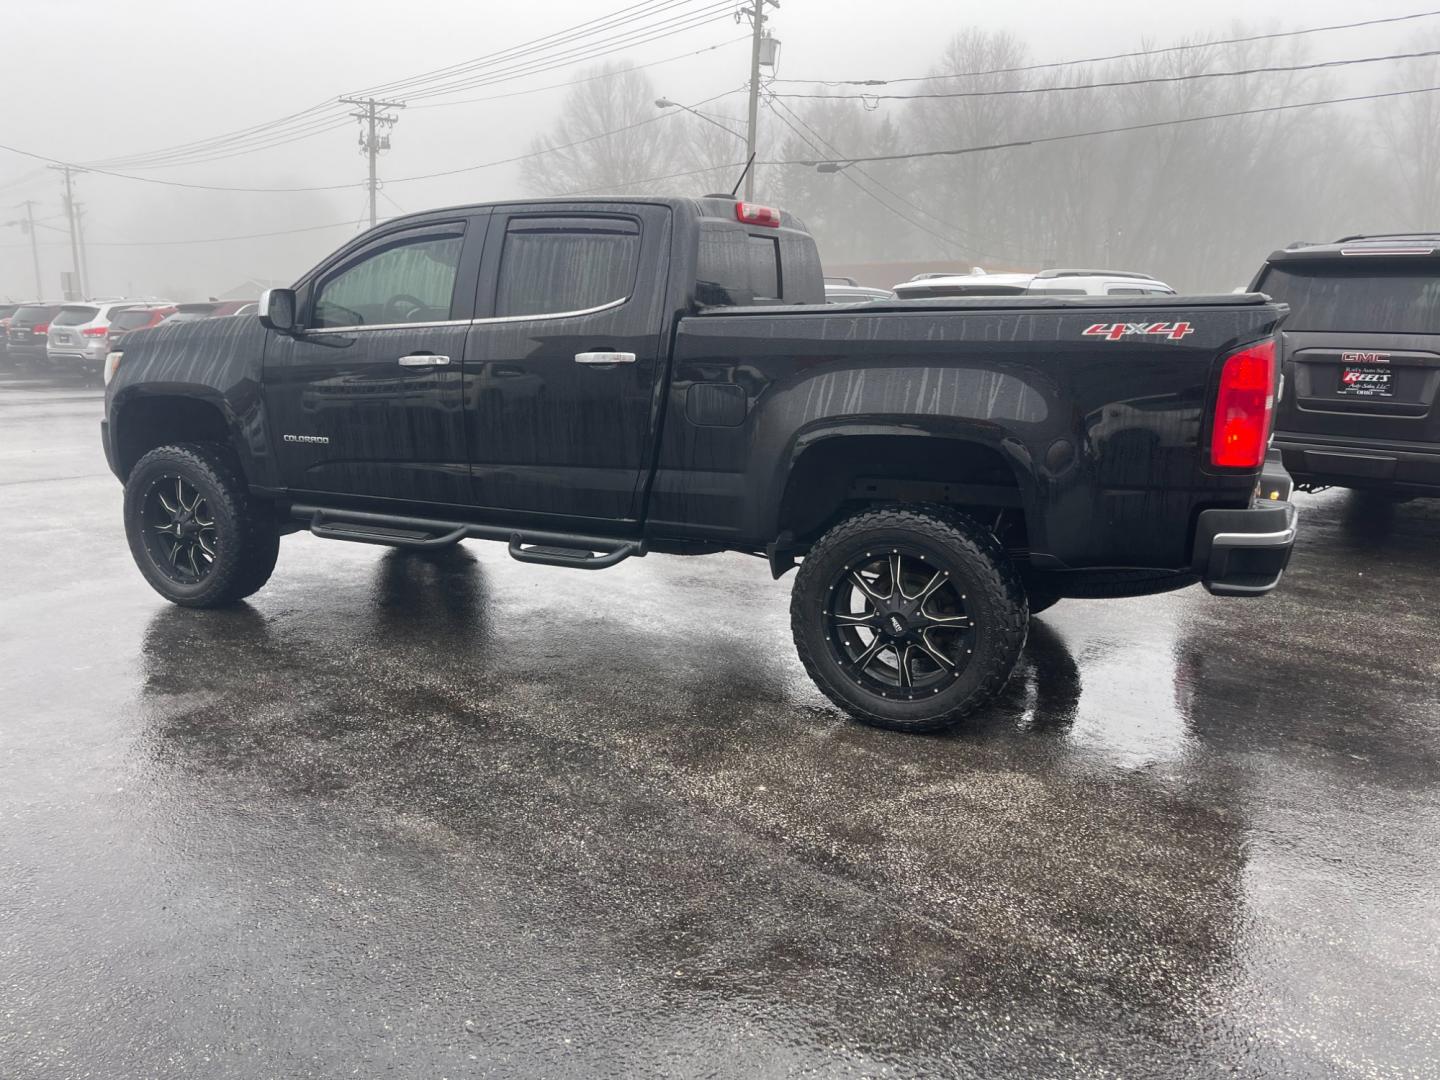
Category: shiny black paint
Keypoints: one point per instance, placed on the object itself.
(552, 437)
(215, 361)
(697, 441)
(1106, 439)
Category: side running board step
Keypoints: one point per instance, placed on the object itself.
(582, 558)
(532, 546)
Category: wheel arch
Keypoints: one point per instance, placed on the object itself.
(830, 471)
(142, 422)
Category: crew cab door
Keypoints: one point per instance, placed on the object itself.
(366, 399)
(563, 365)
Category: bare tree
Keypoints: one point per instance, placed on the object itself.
(611, 138)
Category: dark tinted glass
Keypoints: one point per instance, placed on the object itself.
(33, 313)
(1396, 299)
(410, 281)
(131, 320)
(74, 316)
(551, 265)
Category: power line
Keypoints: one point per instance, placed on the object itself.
(1121, 82)
(590, 50)
(210, 143)
(967, 244)
(552, 149)
(1121, 56)
(321, 119)
(579, 82)
(846, 162)
(424, 83)
(846, 176)
(653, 179)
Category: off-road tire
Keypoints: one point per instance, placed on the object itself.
(246, 537)
(946, 540)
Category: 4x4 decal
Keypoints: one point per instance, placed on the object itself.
(1119, 331)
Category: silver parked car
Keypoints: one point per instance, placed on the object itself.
(79, 335)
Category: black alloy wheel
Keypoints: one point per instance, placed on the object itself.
(898, 623)
(180, 532)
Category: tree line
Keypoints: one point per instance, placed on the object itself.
(1197, 204)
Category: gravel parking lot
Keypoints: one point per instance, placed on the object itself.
(428, 816)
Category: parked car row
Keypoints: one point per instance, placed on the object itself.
(845, 290)
(76, 337)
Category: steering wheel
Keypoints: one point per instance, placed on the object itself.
(402, 307)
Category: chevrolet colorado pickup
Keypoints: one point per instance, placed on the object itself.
(588, 380)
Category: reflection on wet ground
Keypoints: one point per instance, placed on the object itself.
(451, 815)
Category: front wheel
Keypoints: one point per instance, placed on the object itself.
(194, 531)
(908, 618)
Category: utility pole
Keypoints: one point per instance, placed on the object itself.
(757, 21)
(70, 216)
(370, 143)
(85, 282)
(29, 226)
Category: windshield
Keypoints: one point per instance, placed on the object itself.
(1346, 298)
(75, 316)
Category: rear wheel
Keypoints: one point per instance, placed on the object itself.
(908, 618)
(194, 531)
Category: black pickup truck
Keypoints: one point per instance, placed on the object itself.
(588, 380)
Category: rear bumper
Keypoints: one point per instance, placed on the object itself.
(1244, 552)
(1393, 468)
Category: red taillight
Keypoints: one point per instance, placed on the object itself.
(1244, 407)
(95, 331)
(40, 328)
(757, 215)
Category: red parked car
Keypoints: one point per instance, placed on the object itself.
(137, 318)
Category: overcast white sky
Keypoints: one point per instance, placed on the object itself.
(87, 79)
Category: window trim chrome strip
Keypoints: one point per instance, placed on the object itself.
(470, 322)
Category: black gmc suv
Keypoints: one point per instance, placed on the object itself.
(588, 380)
(1361, 362)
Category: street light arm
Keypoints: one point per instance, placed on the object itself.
(666, 103)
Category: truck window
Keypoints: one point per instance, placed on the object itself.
(410, 281)
(737, 268)
(552, 265)
(1374, 299)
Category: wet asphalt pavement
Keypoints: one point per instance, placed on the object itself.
(452, 816)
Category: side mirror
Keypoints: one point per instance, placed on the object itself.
(277, 310)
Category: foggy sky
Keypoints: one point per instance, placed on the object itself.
(87, 79)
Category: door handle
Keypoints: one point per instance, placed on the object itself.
(423, 360)
(605, 358)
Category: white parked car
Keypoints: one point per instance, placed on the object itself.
(1045, 283)
(79, 335)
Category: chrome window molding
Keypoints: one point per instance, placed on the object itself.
(469, 322)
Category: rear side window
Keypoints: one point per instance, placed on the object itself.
(737, 268)
(550, 266)
(132, 319)
(1351, 298)
(74, 316)
(33, 313)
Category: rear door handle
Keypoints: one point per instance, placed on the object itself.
(423, 360)
(605, 358)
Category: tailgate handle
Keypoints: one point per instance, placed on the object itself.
(605, 358)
